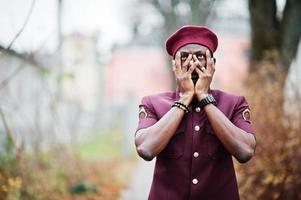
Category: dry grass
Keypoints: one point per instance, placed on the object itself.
(62, 174)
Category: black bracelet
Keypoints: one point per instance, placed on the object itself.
(209, 99)
(181, 106)
(180, 103)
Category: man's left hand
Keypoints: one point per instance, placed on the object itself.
(205, 76)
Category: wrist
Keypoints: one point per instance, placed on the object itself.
(181, 106)
(209, 99)
(201, 95)
(186, 98)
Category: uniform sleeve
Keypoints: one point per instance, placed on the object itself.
(147, 115)
(242, 117)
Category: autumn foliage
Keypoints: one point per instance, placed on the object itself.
(275, 170)
(60, 174)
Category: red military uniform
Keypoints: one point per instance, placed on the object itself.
(194, 165)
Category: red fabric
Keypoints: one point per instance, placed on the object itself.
(191, 35)
(176, 166)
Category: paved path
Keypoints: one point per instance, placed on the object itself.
(139, 186)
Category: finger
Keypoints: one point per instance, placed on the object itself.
(195, 58)
(203, 69)
(192, 67)
(213, 64)
(191, 63)
(173, 63)
(200, 73)
(186, 63)
(178, 61)
(175, 70)
(197, 61)
(209, 61)
(208, 55)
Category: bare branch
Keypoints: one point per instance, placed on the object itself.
(24, 25)
(26, 57)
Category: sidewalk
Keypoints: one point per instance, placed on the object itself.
(140, 183)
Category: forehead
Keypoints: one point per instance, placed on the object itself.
(191, 48)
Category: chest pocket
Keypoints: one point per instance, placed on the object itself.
(214, 146)
(175, 147)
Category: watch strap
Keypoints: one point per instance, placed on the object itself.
(209, 99)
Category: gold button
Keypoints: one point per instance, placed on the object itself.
(195, 154)
(195, 181)
(197, 109)
(196, 128)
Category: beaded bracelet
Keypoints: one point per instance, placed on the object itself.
(181, 106)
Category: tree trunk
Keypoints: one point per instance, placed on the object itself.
(264, 29)
(291, 31)
(270, 34)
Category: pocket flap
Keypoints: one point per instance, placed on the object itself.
(180, 129)
(175, 147)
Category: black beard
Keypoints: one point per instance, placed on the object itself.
(194, 77)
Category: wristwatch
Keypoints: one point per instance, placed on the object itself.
(209, 99)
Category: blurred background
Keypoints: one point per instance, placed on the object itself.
(72, 74)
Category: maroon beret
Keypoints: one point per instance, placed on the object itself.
(191, 35)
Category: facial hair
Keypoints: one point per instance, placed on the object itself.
(194, 77)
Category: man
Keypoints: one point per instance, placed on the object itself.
(194, 131)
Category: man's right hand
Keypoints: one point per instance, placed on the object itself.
(183, 76)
